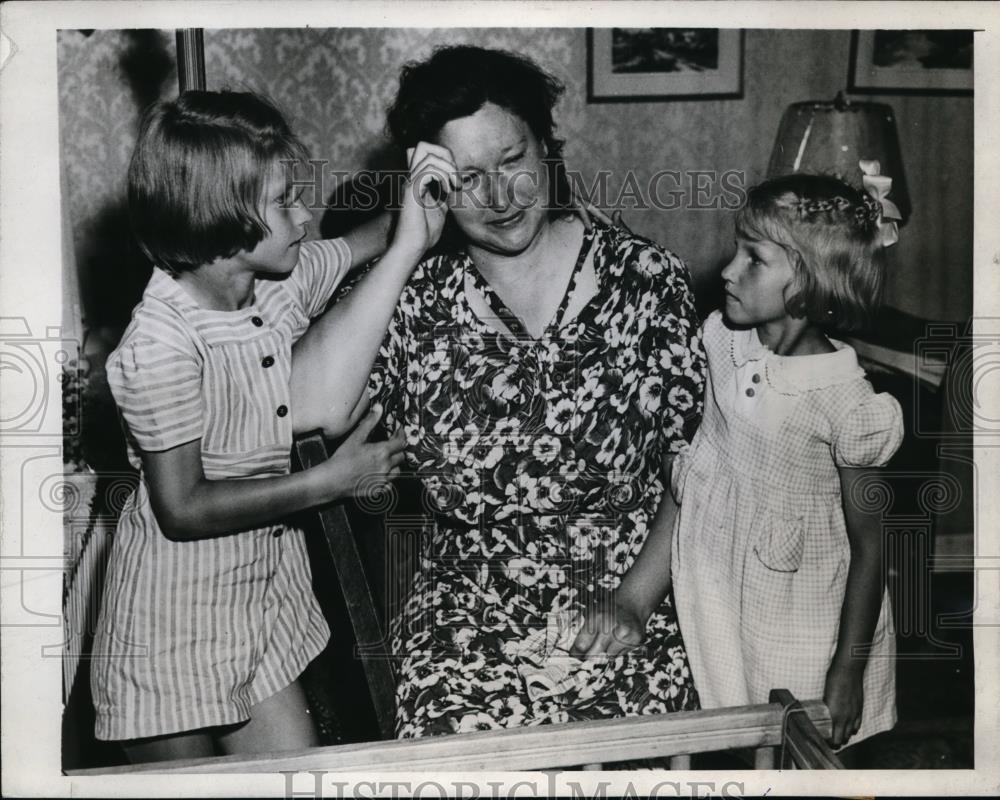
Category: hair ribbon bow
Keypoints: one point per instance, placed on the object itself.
(879, 186)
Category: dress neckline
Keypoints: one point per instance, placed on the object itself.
(795, 374)
(514, 324)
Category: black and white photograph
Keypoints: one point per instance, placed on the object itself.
(605, 410)
(631, 64)
(664, 49)
(931, 61)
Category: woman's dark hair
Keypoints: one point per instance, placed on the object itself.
(830, 231)
(456, 82)
(198, 173)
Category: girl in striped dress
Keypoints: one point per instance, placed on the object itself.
(208, 616)
(777, 551)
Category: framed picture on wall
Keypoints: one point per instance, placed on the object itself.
(635, 64)
(911, 62)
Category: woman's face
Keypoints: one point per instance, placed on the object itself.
(503, 203)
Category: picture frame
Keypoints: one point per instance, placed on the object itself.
(651, 64)
(927, 62)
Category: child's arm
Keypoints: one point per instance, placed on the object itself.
(621, 624)
(332, 361)
(369, 240)
(859, 614)
(189, 506)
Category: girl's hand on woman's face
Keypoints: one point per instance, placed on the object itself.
(433, 177)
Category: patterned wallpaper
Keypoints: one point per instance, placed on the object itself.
(335, 84)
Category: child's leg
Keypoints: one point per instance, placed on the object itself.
(189, 744)
(281, 722)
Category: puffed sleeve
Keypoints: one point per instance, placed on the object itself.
(869, 433)
(322, 266)
(679, 354)
(157, 386)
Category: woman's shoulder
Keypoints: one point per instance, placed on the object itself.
(434, 283)
(638, 258)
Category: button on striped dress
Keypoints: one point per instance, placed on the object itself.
(193, 634)
(760, 550)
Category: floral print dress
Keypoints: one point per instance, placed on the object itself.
(541, 464)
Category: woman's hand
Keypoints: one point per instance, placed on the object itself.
(611, 626)
(433, 176)
(359, 468)
(844, 696)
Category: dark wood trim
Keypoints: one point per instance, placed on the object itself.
(373, 647)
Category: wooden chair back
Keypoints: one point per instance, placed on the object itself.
(362, 610)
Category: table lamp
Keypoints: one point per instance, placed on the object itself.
(832, 137)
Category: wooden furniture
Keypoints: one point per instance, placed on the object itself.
(362, 610)
(802, 743)
(784, 726)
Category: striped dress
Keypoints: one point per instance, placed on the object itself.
(194, 634)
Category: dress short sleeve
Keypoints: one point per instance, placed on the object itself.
(157, 387)
(322, 266)
(869, 433)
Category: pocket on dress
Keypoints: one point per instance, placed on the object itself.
(781, 543)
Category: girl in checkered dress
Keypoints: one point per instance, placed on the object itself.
(777, 554)
(208, 616)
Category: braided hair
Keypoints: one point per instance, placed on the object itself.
(830, 231)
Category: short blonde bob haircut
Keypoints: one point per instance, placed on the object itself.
(197, 176)
(830, 231)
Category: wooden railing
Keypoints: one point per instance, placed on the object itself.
(782, 728)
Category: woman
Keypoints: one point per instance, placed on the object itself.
(543, 375)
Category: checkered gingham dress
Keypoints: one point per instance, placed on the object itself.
(760, 552)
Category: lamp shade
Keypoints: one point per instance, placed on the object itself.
(831, 138)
